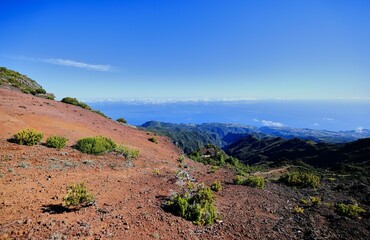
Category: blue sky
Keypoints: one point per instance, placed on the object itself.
(285, 49)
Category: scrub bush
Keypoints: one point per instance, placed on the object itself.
(28, 137)
(56, 142)
(95, 145)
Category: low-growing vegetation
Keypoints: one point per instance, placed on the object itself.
(28, 137)
(153, 139)
(300, 179)
(78, 195)
(196, 205)
(216, 186)
(128, 153)
(298, 210)
(348, 210)
(95, 145)
(122, 120)
(74, 101)
(252, 181)
(58, 142)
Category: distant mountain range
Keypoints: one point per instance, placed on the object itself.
(190, 137)
(251, 150)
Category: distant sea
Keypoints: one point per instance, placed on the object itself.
(325, 115)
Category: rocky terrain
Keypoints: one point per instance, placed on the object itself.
(130, 193)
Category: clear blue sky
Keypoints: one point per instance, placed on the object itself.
(190, 49)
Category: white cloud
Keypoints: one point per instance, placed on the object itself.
(68, 62)
(255, 120)
(327, 119)
(72, 63)
(359, 130)
(271, 123)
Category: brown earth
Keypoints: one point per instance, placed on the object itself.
(129, 194)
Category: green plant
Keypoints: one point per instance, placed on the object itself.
(303, 201)
(298, 210)
(28, 137)
(121, 120)
(250, 180)
(77, 195)
(196, 206)
(300, 179)
(40, 91)
(56, 142)
(153, 139)
(95, 145)
(156, 172)
(24, 165)
(181, 159)
(349, 210)
(216, 186)
(213, 169)
(99, 112)
(239, 180)
(315, 200)
(74, 101)
(128, 153)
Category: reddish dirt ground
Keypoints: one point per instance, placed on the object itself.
(129, 194)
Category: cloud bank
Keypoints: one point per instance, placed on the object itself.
(268, 123)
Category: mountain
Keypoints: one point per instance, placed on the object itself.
(252, 150)
(10, 79)
(190, 137)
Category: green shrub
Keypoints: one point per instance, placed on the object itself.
(298, 210)
(216, 186)
(121, 120)
(74, 101)
(100, 113)
(56, 142)
(95, 145)
(77, 195)
(213, 169)
(239, 180)
(181, 159)
(40, 91)
(252, 181)
(28, 137)
(197, 206)
(300, 179)
(315, 200)
(128, 153)
(349, 210)
(153, 139)
(303, 201)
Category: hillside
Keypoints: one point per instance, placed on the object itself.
(252, 150)
(130, 193)
(190, 137)
(14, 80)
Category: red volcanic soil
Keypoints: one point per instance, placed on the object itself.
(129, 194)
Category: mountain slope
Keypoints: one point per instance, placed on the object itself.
(190, 137)
(14, 80)
(254, 150)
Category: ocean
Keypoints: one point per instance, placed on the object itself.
(337, 115)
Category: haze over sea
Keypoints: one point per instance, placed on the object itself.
(338, 115)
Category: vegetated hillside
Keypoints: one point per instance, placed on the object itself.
(14, 80)
(192, 136)
(252, 150)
